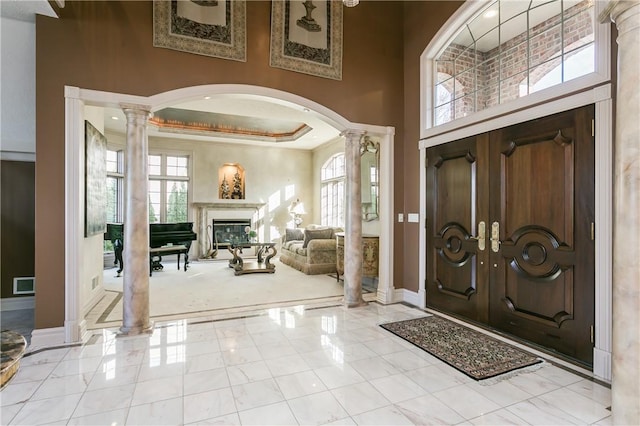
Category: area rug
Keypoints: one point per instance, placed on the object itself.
(475, 354)
(210, 287)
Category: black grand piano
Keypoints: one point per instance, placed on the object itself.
(164, 239)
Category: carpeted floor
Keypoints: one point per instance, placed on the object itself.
(475, 354)
(211, 286)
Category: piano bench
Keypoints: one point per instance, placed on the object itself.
(156, 253)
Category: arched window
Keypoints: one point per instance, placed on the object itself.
(504, 50)
(332, 180)
(445, 90)
(575, 65)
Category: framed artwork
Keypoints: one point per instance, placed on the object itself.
(306, 37)
(204, 27)
(95, 181)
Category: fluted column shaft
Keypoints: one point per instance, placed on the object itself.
(135, 301)
(353, 221)
(625, 364)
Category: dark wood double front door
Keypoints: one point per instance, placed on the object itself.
(510, 218)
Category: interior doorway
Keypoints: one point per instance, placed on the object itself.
(80, 296)
(510, 230)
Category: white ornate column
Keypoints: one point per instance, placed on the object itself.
(353, 221)
(135, 300)
(625, 382)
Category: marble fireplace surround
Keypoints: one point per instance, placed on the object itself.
(221, 209)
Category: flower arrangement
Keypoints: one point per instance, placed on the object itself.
(250, 232)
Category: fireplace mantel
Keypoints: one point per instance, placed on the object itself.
(229, 204)
(204, 209)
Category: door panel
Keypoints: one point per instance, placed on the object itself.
(542, 287)
(533, 182)
(455, 205)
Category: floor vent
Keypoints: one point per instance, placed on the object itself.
(24, 285)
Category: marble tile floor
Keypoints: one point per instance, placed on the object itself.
(285, 366)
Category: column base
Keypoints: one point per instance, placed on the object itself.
(132, 331)
(355, 304)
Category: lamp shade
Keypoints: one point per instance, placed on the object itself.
(299, 208)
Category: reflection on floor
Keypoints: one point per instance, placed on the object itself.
(290, 365)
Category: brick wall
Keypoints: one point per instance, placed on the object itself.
(484, 79)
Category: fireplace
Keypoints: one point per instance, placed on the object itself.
(228, 231)
(233, 212)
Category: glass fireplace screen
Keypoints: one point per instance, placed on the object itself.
(230, 231)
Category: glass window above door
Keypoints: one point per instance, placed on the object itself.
(510, 49)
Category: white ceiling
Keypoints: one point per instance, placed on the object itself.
(247, 106)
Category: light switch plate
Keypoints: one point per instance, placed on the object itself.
(413, 217)
(400, 217)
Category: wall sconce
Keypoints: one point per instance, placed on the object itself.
(296, 210)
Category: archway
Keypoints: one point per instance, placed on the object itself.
(76, 99)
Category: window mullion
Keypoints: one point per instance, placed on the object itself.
(522, 53)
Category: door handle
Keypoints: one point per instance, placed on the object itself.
(481, 236)
(495, 237)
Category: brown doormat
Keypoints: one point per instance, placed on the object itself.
(475, 354)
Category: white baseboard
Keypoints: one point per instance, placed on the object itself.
(46, 337)
(17, 303)
(397, 295)
(76, 331)
(602, 364)
(410, 297)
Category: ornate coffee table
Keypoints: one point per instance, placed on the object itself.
(263, 263)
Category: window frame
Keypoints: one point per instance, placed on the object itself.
(118, 175)
(337, 219)
(164, 178)
(466, 13)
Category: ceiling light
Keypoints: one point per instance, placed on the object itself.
(490, 13)
(207, 97)
(350, 3)
(306, 109)
(113, 117)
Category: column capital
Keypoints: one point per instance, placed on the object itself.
(616, 8)
(351, 134)
(136, 109)
(136, 114)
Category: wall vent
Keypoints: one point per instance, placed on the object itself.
(24, 285)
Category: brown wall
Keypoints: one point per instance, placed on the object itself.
(17, 212)
(422, 20)
(108, 46)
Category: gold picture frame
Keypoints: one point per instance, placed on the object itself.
(306, 37)
(206, 27)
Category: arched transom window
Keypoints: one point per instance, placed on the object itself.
(510, 49)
